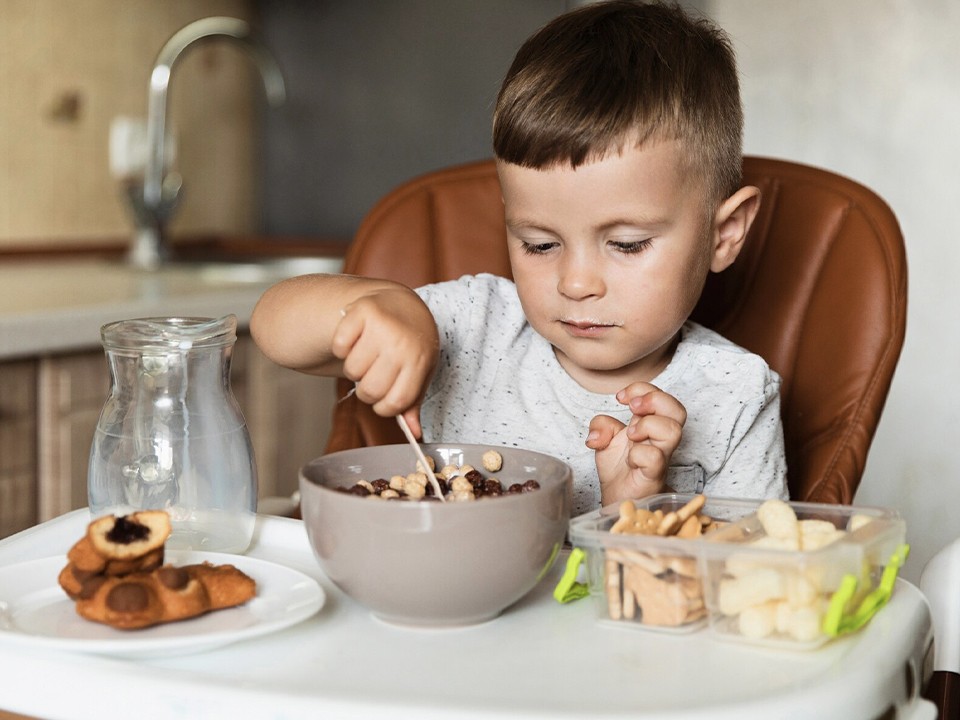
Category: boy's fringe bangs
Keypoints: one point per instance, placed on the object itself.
(532, 128)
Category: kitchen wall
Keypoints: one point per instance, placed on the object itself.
(68, 68)
(380, 91)
(870, 88)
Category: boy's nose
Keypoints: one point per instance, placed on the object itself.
(580, 278)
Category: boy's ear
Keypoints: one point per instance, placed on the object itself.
(731, 224)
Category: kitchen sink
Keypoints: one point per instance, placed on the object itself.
(256, 270)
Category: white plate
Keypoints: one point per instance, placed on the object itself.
(34, 610)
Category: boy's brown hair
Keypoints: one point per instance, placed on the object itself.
(609, 73)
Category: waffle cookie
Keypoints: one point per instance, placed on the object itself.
(166, 594)
(116, 575)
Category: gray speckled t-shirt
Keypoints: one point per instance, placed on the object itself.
(498, 382)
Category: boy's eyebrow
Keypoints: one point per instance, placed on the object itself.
(639, 222)
(523, 223)
(519, 224)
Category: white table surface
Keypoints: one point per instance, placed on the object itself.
(539, 659)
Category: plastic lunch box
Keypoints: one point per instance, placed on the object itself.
(737, 581)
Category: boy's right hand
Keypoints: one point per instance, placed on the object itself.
(388, 342)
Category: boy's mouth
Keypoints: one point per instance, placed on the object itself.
(587, 327)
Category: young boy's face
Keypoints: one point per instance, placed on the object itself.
(609, 259)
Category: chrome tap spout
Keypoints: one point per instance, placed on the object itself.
(155, 201)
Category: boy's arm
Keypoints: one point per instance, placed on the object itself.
(294, 321)
(376, 332)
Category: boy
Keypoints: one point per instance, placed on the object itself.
(617, 134)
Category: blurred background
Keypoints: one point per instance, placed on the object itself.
(380, 91)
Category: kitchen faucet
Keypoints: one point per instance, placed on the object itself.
(156, 197)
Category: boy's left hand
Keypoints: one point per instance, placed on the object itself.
(632, 460)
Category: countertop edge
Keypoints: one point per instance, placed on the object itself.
(57, 332)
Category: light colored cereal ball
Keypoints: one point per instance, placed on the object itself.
(417, 477)
(391, 493)
(431, 463)
(464, 469)
(448, 471)
(414, 490)
(492, 461)
(462, 496)
(461, 484)
(397, 481)
(367, 485)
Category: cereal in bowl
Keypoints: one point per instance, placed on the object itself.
(457, 483)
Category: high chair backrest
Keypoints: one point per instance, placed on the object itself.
(819, 291)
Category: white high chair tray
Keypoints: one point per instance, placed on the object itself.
(539, 659)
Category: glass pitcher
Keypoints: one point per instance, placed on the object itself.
(171, 435)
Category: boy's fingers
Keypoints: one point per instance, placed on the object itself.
(360, 361)
(601, 431)
(376, 383)
(657, 430)
(659, 403)
(412, 416)
(644, 398)
(636, 390)
(648, 459)
(402, 392)
(346, 334)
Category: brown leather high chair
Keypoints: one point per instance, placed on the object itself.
(819, 291)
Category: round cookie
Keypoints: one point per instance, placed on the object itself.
(114, 547)
(129, 536)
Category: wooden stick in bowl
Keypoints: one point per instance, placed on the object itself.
(402, 422)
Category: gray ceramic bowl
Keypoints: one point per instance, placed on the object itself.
(431, 563)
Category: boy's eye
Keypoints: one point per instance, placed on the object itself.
(534, 248)
(629, 247)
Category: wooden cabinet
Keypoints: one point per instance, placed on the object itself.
(70, 392)
(49, 409)
(288, 415)
(18, 446)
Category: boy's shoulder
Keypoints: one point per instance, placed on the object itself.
(694, 333)
(475, 287)
(474, 298)
(697, 334)
(710, 350)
